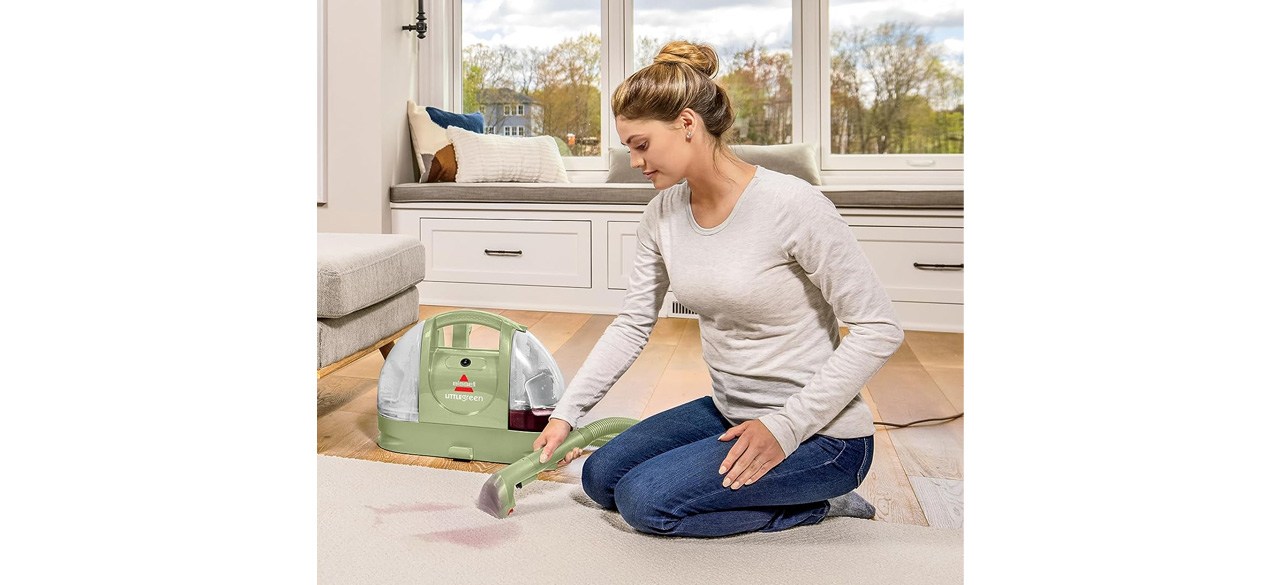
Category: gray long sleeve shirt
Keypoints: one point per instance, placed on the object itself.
(772, 285)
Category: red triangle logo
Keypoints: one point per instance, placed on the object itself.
(463, 388)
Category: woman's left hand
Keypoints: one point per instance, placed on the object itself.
(755, 453)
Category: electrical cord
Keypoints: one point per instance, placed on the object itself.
(916, 422)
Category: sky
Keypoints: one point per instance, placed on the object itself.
(724, 24)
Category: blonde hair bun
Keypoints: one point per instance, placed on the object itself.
(701, 58)
(683, 80)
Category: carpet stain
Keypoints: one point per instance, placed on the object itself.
(480, 538)
(424, 507)
(382, 511)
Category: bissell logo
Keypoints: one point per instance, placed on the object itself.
(463, 385)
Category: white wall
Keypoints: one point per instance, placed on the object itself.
(371, 70)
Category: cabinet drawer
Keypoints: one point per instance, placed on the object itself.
(508, 251)
(917, 264)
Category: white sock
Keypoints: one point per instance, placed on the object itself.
(852, 505)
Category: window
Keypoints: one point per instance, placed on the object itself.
(896, 71)
(753, 41)
(543, 54)
(876, 84)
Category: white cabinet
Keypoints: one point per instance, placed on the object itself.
(920, 267)
(578, 257)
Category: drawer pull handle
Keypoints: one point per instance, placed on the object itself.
(504, 252)
(938, 266)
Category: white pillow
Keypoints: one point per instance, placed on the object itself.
(428, 139)
(487, 158)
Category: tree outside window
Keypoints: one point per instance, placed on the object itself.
(897, 82)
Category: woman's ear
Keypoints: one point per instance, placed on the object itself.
(688, 120)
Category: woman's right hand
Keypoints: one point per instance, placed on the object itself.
(551, 438)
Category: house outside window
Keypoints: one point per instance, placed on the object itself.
(501, 108)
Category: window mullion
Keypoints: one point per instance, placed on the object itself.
(818, 82)
(807, 81)
(618, 39)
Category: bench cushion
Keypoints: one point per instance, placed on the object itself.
(355, 271)
(342, 336)
(632, 193)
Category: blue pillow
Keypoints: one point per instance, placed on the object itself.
(473, 122)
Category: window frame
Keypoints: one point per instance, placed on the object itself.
(868, 162)
(441, 67)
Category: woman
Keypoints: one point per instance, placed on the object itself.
(772, 271)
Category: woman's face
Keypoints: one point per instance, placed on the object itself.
(657, 148)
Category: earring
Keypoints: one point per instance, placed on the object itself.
(688, 136)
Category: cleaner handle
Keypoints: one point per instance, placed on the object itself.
(497, 497)
(469, 316)
(531, 464)
(581, 437)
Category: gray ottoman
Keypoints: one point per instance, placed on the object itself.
(365, 294)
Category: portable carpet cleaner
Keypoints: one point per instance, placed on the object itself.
(439, 396)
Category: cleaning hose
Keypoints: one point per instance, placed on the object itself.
(498, 496)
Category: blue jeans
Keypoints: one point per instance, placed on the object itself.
(663, 476)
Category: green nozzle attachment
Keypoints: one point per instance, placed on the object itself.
(498, 496)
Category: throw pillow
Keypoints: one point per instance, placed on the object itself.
(489, 158)
(620, 170)
(473, 122)
(799, 160)
(444, 167)
(433, 154)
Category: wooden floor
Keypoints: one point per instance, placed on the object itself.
(917, 474)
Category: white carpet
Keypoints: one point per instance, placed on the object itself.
(384, 523)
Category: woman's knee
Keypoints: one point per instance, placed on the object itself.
(637, 497)
(600, 475)
(605, 466)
